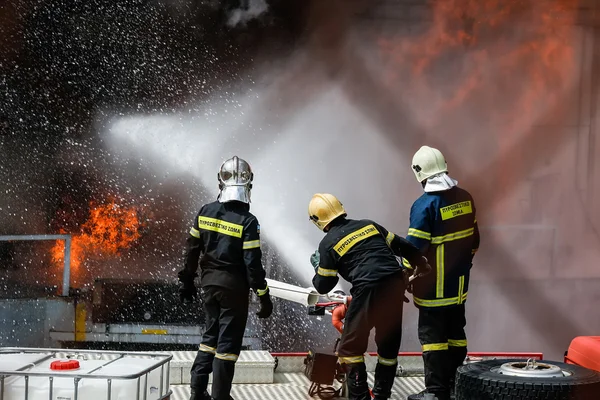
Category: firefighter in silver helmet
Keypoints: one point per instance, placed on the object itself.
(225, 242)
(364, 254)
(443, 225)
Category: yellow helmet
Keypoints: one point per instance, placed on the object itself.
(324, 208)
(427, 162)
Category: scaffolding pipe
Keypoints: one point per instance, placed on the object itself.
(67, 261)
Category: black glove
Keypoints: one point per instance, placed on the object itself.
(266, 306)
(187, 289)
(423, 268)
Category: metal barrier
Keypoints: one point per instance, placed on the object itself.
(67, 263)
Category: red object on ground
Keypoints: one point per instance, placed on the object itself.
(64, 365)
(585, 352)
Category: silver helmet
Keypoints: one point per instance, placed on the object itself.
(235, 180)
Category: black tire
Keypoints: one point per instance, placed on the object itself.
(478, 381)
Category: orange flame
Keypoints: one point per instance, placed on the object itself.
(111, 228)
(510, 54)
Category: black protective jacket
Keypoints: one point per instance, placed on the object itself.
(225, 241)
(362, 252)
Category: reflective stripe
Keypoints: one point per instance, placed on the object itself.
(419, 234)
(439, 285)
(352, 360)
(347, 242)
(252, 244)
(220, 226)
(326, 272)
(453, 236)
(207, 349)
(435, 347)
(389, 238)
(406, 263)
(457, 343)
(456, 210)
(461, 288)
(195, 233)
(386, 361)
(262, 292)
(227, 356)
(440, 302)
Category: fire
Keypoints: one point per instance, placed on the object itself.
(110, 228)
(504, 56)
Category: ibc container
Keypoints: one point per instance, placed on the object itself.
(92, 375)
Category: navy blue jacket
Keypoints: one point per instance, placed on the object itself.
(443, 225)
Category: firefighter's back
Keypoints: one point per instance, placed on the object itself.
(361, 251)
(452, 236)
(221, 227)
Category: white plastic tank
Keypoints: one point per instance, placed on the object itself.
(62, 387)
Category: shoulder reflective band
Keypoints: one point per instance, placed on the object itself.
(195, 233)
(252, 244)
(344, 245)
(456, 210)
(217, 225)
(419, 234)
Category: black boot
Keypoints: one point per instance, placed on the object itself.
(358, 388)
(199, 395)
(384, 381)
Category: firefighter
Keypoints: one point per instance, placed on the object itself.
(363, 253)
(225, 241)
(443, 225)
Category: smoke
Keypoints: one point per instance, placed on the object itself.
(495, 85)
(507, 90)
(291, 161)
(253, 9)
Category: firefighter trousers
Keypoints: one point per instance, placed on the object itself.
(226, 316)
(444, 343)
(378, 307)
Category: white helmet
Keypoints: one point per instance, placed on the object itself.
(235, 180)
(428, 162)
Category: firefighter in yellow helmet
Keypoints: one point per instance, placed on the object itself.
(443, 226)
(225, 241)
(363, 253)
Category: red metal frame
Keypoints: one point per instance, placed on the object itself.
(538, 356)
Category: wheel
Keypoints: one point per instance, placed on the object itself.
(526, 380)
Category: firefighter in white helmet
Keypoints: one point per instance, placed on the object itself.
(225, 241)
(364, 254)
(443, 226)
